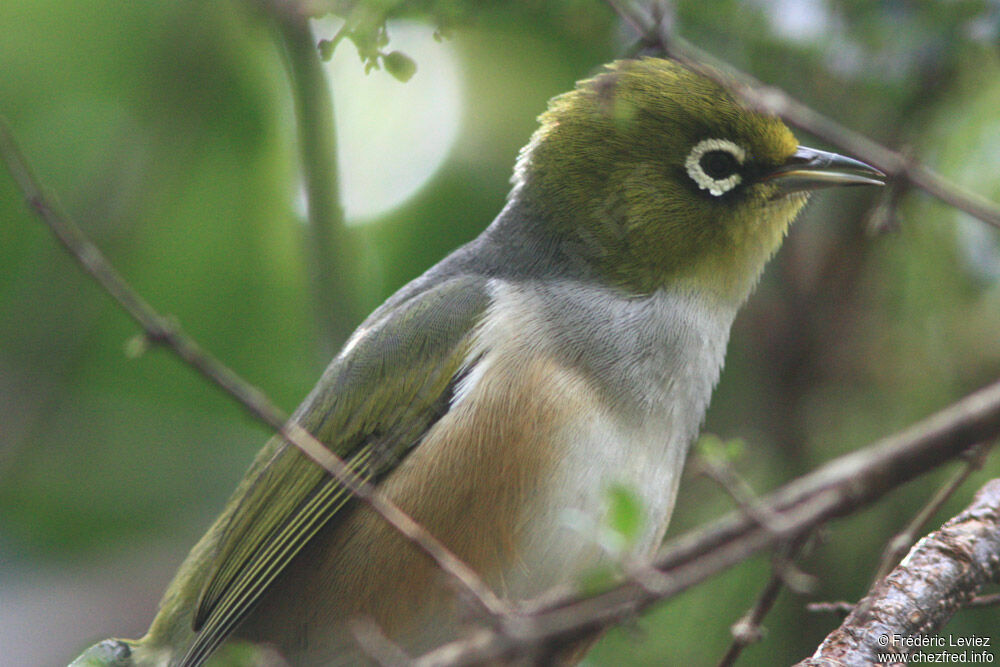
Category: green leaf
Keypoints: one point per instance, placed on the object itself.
(625, 513)
(399, 65)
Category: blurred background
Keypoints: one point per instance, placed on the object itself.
(166, 130)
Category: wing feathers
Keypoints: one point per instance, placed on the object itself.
(373, 405)
(228, 607)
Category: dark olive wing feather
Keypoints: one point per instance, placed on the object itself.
(373, 404)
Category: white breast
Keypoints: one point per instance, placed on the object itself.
(637, 375)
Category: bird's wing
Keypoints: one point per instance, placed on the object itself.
(375, 402)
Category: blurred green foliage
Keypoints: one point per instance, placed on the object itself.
(165, 130)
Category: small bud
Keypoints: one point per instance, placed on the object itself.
(136, 346)
(399, 65)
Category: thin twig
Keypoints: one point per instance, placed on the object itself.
(770, 99)
(736, 487)
(991, 600)
(844, 608)
(840, 607)
(902, 541)
(740, 491)
(884, 216)
(376, 645)
(748, 630)
(167, 332)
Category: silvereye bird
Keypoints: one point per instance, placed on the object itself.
(571, 348)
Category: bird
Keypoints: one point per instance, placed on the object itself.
(570, 349)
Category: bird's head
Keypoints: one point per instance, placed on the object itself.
(658, 177)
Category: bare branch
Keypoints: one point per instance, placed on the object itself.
(659, 33)
(748, 630)
(939, 576)
(740, 491)
(166, 332)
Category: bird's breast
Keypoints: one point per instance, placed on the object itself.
(598, 393)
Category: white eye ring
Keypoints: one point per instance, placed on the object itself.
(716, 186)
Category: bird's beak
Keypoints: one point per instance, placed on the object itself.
(810, 169)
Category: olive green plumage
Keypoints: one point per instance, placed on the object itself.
(637, 215)
(570, 348)
(412, 352)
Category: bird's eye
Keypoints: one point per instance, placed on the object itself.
(714, 165)
(719, 164)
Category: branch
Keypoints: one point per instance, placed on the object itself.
(167, 332)
(749, 629)
(659, 34)
(375, 645)
(838, 488)
(329, 245)
(844, 608)
(939, 576)
(737, 488)
(991, 600)
(902, 541)
(841, 607)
